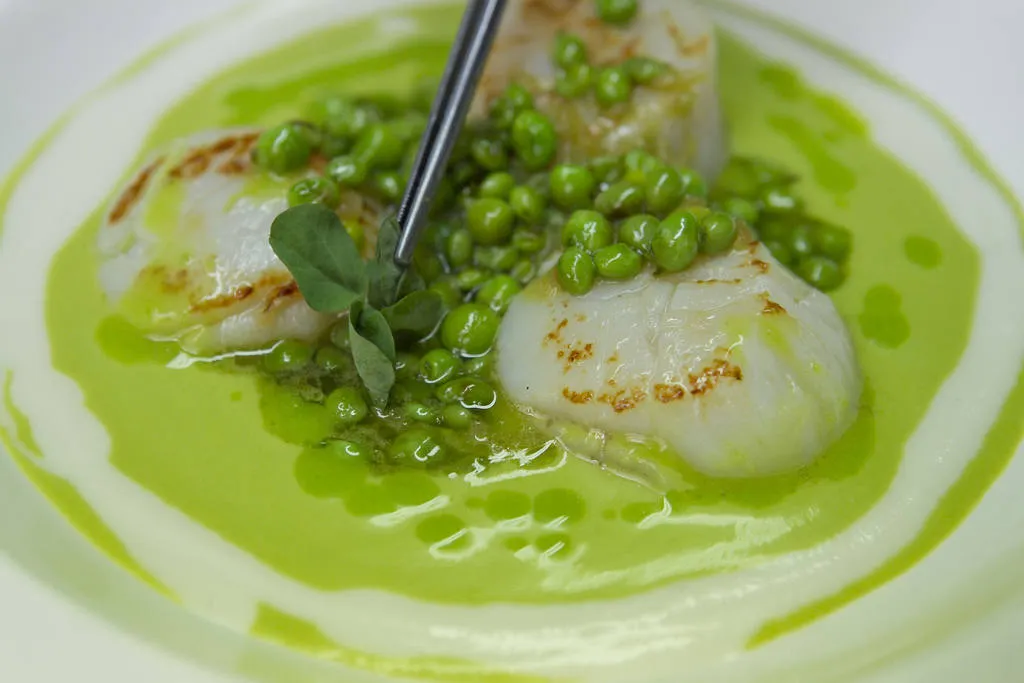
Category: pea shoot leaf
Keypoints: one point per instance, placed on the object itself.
(373, 350)
(417, 312)
(385, 277)
(312, 243)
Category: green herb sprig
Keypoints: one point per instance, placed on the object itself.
(381, 299)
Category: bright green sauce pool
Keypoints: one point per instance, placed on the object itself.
(220, 446)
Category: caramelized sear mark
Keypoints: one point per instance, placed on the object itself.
(240, 160)
(772, 308)
(276, 283)
(283, 292)
(697, 47)
(578, 397)
(614, 358)
(759, 264)
(126, 202)
(199, 160)
(710, 376)
(555, 335)
(623, 400)
(666, 393)
(577, 355)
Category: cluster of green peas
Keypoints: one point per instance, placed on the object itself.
(611, 84)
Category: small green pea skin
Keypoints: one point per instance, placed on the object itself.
(576, 271)
(527, 204)
(617, 262)
(574, 81)
(471, 278)
(458, 247)
(617, 12)
(534, 139)
(572, 186)
(663, 190)
(497, 293)
(800, 242)
(832, 241)
(498, 185)
(283, 148)
(523, 271)
(569, 49)
(439, 365)
(490, 154)
(288, 356)
(388, 185)
(820, 272)
(644, 70)
(718, 232)
(677, 242)
(612, 86)
(469, 392)
(780, 251)
(500, 257)
(620, 199)
(347, 405)
(693, 183)
(456, 417)
(637, 232)
(378, 147)
(490, 220)
(480, 366)
(418, 412)
(318, 190)
(588, 230)
(744, 209)
(331, 359)
(528, 242)
(470, 329)
(416, 446)
(346, 171)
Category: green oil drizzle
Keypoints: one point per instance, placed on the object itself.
(23, 435)
(256, 488)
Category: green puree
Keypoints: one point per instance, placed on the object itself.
(222, 447)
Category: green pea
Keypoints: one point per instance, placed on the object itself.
(606, 169)
(416, 446)
(677, 241)
(587, 229)
(574, 80)
(612, 86)
(519, 96)
(497, 292)
(458, 248)
(344, 119)
(639, 163)
(463, 173)
(350, 449)
(638, 232)
(664, 189)
(490, 154)
(617, 262)
(699, 211)
(332, 147)
(498, 185)
(718, 232)
(448, 289)
(617, 12)
(470, 329)
(528, 242)
(469, 392)
(744, 209)
(417, 412)
(576, 271)
(456, 417)
(339, 335)
(541, 184)
(527, 204)
(832, 241)
(346, 171)
(569, 49)
(779, 200)
(317, 190)
(490, 220)
(388, 185)
(480, 366)
(439, 365)
(500, 257)
(776, 229)
(571, 186)
(820, 272)
(534, 139)
(288, 356)
(780, 251)
(620, 199)
(523, 271)
(471, 278)
(378, 147)
(644, 70)
(409, 127)
(331, 359)
(427, 263)
(504, 109)
(800, 242)
(283, 148)
(356, 232)
(347, 404)
(693, 183)
(406, 366)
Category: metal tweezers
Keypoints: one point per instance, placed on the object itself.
(447, 115)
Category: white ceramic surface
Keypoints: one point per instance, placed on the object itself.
(67, 614)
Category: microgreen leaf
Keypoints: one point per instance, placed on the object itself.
(312, 243)
(385, 276)
(417, 312)
(373, 350)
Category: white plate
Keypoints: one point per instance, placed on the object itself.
(67, 614)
